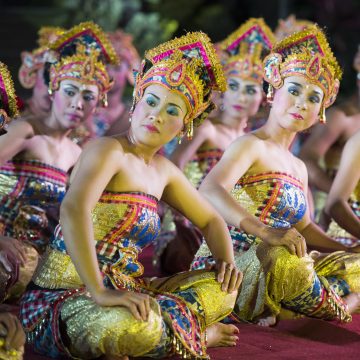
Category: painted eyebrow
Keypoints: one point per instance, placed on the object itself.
(178, 106)
(297, 84)
(77, 88)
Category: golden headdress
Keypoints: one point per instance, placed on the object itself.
(189, 66)
(126, 51)
(35, 60)
(308, 54)
(84, 50)
(246, 48)
(8, 102)
(290, 25)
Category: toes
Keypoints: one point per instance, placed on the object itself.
(230, 329)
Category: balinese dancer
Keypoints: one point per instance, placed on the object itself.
(91, 299)
(36, 153)
(343, 202)
(31, 73)
(12, 337)
(242, 53)
(260, 189)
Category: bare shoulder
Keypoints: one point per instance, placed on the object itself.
(166, 167)
(354, 142)
(22, 128)
(335, 118)
(248, 142)
(207, 129)
(103, 147)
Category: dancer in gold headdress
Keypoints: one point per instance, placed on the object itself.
(91, 300)
(36, 153)
(12, 336)
(260, 188)
(241, 53)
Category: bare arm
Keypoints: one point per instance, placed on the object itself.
(187, 149)
(14, 141)
(344, 184)
(216, 187)
(89, 178)
(321, 139)
(97, 165)
(181, 195)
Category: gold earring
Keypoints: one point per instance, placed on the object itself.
(322, 116)
(104, 101)
(270, 94)
(190, 130)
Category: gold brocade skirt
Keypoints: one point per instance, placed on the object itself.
(94, 330)
(272, 276)
(195, 299)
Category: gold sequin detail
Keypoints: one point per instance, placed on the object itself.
(95, 330)
(57, 271)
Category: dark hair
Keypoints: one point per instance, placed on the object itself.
(46, 73)
(265, 86)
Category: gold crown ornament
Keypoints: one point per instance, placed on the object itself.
(8, 102)
(306, 53)
(189, 66)
(33, 61)
(246, 47)
(83, 52)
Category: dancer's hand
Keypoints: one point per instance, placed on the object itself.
(138, 304)
(13, 252)
(229, 276)
(290, 238)
(11, 331)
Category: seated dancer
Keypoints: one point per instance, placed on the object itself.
(242, 53)
(36, 153)
(31, 73)
(92, 302)
(321, 152)
(343, 201)
(260, 188)
(12, 255)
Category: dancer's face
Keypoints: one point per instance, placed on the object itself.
(297, 103)
(74, 103)
(158, 116)
(242, 97)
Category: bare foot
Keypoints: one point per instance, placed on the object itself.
(267, 321)
(222, 335)
(111, 357)
(353, 302)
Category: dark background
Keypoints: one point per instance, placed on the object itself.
(154, 21)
